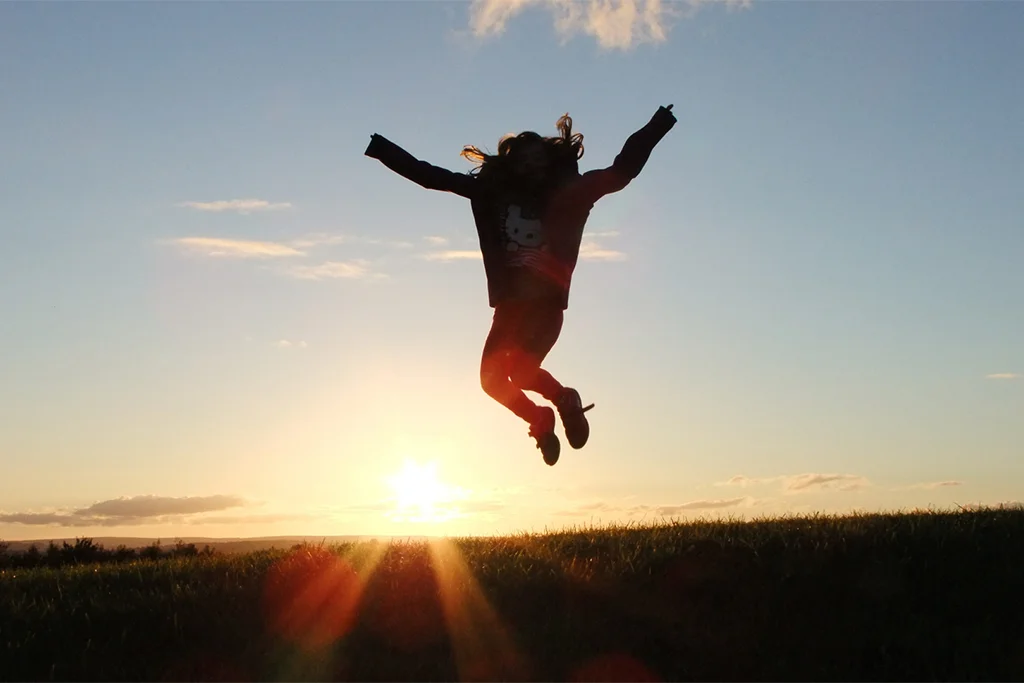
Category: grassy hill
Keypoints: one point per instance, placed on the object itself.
(933, 596)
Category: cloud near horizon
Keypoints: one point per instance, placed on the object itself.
(242, 206)
(803, 482)
(1004, 375)
(844, 482)
(932, 485)
(127, 511)
(662, 510)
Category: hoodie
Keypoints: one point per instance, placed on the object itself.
(529, 249)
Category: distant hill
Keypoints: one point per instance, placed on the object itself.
(223, 545)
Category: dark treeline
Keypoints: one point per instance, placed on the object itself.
(85, 551)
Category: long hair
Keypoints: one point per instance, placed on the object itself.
(564, 150)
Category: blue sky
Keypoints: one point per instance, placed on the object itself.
(221, 319)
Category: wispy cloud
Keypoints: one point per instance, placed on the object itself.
(600, 507)
(619, 24)
(333, 270)
(154, 506)
(843, 482)
(745, 481)
(932, 485)
(588, 509)
(453, 255)
(128, 511)
(436, 240)
(614, 24)
(1004, 375)
(221, 247)
(287, 344)
(322, 239)
(670, 510)
(242, 206)
(592, 251)
(802, 482)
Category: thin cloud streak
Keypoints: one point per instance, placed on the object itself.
(242, 206)
(592, 251)
(803, 482)
(598, 507)
(334, 270)
(321, 239)
(933, 485)
(221, 247)
(453, 255)
(744, 481)
(844, 482)
(672, 510)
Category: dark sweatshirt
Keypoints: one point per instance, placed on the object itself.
(530, 252)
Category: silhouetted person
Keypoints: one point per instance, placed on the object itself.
(530, 205)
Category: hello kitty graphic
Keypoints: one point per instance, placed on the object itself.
(521, 231)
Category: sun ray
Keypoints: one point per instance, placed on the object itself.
(313, 595)
(483, 646)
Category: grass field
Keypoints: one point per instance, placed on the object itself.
(920, 596)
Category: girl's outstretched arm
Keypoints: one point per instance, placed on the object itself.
(631, 160)
(420, 172)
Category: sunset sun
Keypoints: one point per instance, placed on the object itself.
(421, 496)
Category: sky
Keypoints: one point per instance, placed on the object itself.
(219, 319)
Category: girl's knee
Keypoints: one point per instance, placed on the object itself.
(524, 372)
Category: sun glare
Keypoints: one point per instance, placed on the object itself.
(421, 496)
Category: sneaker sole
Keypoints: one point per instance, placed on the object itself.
(553, 451)
(577, 428)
